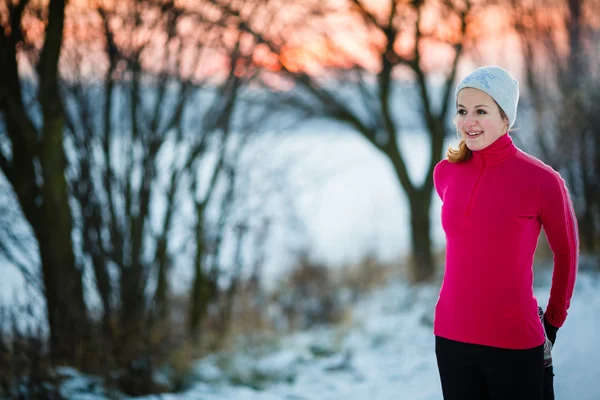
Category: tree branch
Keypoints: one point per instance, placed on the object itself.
(458, 49)
(48, 66)
(368, 16)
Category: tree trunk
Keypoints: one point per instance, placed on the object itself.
(201, 289)
(422, 265)
(202, 292)
(62, 279)
(67, 316)
(132, 301)
(161, 308)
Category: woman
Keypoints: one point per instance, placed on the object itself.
(495, 200)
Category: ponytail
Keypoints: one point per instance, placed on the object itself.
(462, 154)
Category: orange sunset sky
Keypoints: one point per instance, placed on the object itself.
(348, 41)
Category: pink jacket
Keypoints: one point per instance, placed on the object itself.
(493, 208)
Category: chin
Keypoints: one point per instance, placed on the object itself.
(478, 144)
(474, 146)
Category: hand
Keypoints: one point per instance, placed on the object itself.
(550, 331)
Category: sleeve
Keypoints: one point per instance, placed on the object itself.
(560, 225)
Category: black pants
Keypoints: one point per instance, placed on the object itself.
(470, 371)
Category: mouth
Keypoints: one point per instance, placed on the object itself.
(474, 134)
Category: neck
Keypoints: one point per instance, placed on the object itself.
(497, 152)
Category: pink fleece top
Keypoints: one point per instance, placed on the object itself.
(493, 208)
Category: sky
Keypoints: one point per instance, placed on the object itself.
(338, 40)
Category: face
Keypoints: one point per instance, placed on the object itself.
(479, 120)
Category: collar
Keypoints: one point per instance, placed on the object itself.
(496, 153)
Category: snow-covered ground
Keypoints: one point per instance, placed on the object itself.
(385, 351)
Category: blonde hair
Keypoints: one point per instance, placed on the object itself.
(463, 153)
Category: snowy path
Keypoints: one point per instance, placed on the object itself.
(388, 353)
(577, 353)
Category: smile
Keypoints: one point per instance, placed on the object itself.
(474, 134)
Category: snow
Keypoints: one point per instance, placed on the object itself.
(386, 351)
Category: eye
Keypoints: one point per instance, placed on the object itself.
(462, 111)
(481, 112)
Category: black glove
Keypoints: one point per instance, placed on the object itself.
(550, 331)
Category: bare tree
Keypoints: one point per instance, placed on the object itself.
(559, 41)
(345, 59)
(157, 112)
(34, 164)
(151, 141)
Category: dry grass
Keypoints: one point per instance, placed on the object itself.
(25, 368)
(312, 294)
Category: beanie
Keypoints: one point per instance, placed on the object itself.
(499, 84)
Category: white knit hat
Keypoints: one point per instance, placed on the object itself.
(499, 84)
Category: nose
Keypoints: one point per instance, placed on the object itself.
(470, 120)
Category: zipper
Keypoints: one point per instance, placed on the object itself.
(469, 204)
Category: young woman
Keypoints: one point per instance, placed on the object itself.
(495, 201)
